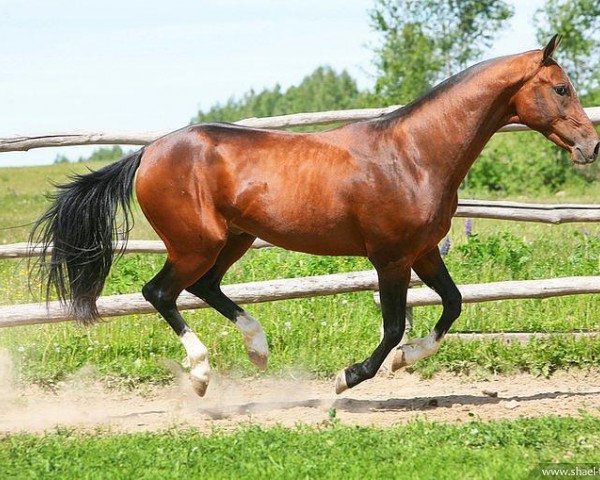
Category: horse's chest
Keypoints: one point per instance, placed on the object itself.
(421, 225)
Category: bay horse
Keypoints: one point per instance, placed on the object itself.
(384, 188)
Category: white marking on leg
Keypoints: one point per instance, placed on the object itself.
(254, 338)
(415, 350)
(340, 382)
(197, 360)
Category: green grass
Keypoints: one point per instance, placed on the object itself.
(476, 449)
(22, 197)
(319, 335)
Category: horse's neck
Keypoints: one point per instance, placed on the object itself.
(453, 128)
(471, 125)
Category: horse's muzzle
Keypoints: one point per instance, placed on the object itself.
(582, 156)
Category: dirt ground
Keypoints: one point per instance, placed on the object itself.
(385, 400)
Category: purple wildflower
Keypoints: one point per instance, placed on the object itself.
(469, 227)
(445, 248)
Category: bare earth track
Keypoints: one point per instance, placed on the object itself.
(383, 401)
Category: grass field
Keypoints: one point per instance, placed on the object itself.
(418, 449)
(319, 335)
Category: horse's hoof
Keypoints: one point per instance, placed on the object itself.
(399, 360)
(200, 376)
(340, 382)
(199, 384)
(259, 359)
(255, 339)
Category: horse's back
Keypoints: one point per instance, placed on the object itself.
(289, 188)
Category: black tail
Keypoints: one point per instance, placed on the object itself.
(77, 234)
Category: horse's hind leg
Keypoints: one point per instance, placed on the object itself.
(162, 291)
(431, 269)
(208, 288)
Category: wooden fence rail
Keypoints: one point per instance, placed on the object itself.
(22, 250)
(28, 142)
(509, 290)
(253, 292)
(526, 212)
(290, 288)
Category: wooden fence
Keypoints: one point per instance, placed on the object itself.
(256, 292)
(28, 142)
(526, 212)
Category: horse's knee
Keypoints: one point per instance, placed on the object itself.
(394, 334)
(157, 297)
(453, 305)
(150, 293)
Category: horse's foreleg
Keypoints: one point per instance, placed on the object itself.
(208, 288)
(393, 283)
(431, 269)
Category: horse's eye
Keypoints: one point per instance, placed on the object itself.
(561, 90)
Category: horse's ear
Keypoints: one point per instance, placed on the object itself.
(552, 45)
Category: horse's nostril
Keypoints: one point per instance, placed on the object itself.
(596, 149)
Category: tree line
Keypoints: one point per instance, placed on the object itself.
(421, 43)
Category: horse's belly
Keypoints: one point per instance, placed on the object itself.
(317, 236)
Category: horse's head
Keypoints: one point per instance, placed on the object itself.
(548, 103)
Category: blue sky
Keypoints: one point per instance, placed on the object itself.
(149, 65)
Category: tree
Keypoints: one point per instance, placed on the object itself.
(578, 21)
(104, 154)
(408, 65)
(61, 159)
(427, 40)
(323, 89)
